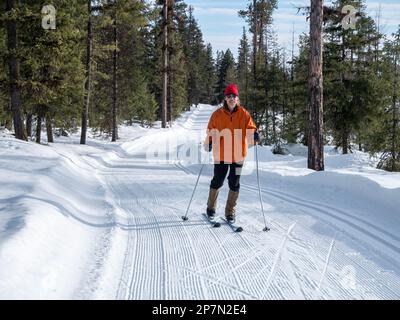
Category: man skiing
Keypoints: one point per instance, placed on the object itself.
(229, 131)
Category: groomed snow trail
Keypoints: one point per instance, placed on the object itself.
(313, 251)
(107, 225)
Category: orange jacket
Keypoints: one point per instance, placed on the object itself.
(230, 134)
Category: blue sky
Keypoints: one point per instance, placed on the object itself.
(222, 27)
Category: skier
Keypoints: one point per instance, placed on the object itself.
(229, 131)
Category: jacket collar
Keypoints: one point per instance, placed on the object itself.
(233, 111)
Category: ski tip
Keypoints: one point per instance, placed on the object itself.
(239, 229)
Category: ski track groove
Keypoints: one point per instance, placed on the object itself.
(258, 288)
(200, 287)
(328, 257)
(227, 258)
(200, 284)
(173, 257)
(285, 275)
(343, 253)
(277, 259)
(148, 260)
(317, 206)
(210, 260)
(344, 231)
(288, 198)
(131, 247)
(344, 260)
(211, 286)
(262, 260)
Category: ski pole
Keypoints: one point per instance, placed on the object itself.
(184, 218)
(259, 191)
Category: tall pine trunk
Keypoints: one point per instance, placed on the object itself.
(246, 77)
(315, 140)
(165, 67)
(273, 103)
(254, 59)
(29, 124)
(13, 64)
(266, 87)
(115, 84)
(345, 142)
(345, 81)
(394, 115)
(170, 98)
(284, 102)
(85, 111)
(170, 75)
(39, 118)
(49, 129)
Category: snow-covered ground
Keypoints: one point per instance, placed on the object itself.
(103, 221)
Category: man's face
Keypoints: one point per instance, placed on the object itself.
(231, 100)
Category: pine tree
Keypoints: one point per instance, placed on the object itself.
(350, 75)
(290, 132)
(88, 71)
(226, 73)
(5, 119)
(275, 80)
(177, 63)
(259, 17)
(133, 65)
(52, 70)
(166, 71)
(300, 119)
(193, 48)
(209, 77)
(315, 140)
(243, 67)
(388, 132)
(139, 103)
(12, 13)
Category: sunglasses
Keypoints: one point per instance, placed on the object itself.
(231, 96)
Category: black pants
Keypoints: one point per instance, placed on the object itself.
(220, 172)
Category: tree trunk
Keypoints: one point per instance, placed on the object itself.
(39, 123)
(165, 66)
(29, 125)
(85, 111)
(345, 142)
(394, 115)
(114, 107)
(261, 33)
(8, 123)
(284, 102)
(170, 98)
(254, 59)
(49, 129)
(273, 103)
(266, 84)
(170, 76)
(14, 73)
(246, 75)
(316, 141)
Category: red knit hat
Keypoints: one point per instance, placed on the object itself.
(231, 89)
